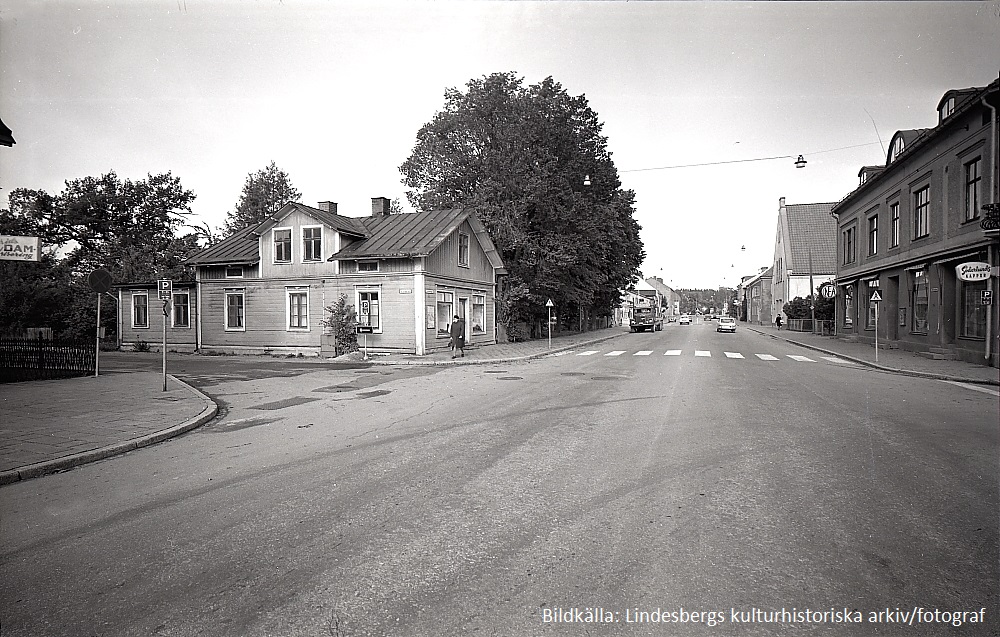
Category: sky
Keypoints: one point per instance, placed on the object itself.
(334, 92)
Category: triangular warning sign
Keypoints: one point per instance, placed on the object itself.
(876, 297)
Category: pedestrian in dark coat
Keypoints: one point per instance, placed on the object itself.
(777, 321)
(457, 331)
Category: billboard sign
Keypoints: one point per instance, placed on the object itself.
(973, 271)
(20, 248)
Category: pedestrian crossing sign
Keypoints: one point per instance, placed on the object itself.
(876, 297)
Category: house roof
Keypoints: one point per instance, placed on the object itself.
(239, 248)
(348, 225)
(6, 135)
(812, 229)
(414, 234)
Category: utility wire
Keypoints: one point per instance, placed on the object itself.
(739, 161)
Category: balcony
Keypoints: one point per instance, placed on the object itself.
(991, 219)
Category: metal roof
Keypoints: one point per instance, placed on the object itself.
(239, 248)
(812, 229)
(411, 234)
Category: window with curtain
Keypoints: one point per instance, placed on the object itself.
(918, 301)
(445, 310)
(478, 314)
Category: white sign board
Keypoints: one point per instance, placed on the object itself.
(973, 271)
(20, 248)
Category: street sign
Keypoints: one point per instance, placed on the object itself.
(99, 281)
(987, 297)
(876, 297)
(166, 289)
(828, 290)
(365, 329)
(549, 303)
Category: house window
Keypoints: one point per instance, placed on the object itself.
(973, 311)
(182, 309)
(235, 311)
(973, 189)
(894, 228)
(873, 235)
(921, 212)
(947, 108)
(234, 271)
(367, 266)
(918, 301)
(870, 318)
(463, 249)
(850, 247)
(898, 147)
(369, 312)
(312, 243)
(445, 310)
(478, 314)
(298, 308)
(282, 245)
(140, 310)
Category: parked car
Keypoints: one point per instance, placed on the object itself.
(684, 320)
(726, 324)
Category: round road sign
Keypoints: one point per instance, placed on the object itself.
(100, 281)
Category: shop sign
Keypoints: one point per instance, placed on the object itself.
(20, 248)
(972, 271)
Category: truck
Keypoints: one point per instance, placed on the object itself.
(646, 318)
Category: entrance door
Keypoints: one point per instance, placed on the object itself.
(463, 312)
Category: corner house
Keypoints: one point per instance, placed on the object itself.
(266, 288)
(921, 233)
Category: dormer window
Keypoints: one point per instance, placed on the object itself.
(898, 147)
(947, 108)
(864, 177)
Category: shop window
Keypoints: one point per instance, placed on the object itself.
(848, 306)
(918, 301)
(870, 316)
(973, 310)
(445, 310)
(478, 314)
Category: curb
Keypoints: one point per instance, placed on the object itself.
(85, 457)
(884, 368)
(494, 361)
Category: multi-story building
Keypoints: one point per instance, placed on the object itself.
(920, 233)
(754, 296)
(804, 252)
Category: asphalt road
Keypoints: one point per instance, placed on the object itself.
(430, 501)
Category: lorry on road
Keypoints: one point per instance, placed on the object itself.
(646, 318)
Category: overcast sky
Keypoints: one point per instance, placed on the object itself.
(334, 92)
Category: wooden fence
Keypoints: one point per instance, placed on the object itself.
(39, 358)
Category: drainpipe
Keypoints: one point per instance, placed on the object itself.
(989, 250)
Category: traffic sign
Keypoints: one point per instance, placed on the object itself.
(166, 289)
(876, 297)
(365, 329)
(99, 281)
(987, 297)
(549, 303)
(365, 307)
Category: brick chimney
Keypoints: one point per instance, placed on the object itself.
(380, 207)
(328, 206)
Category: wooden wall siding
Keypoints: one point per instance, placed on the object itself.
(179, 338)
(440, 284)
(384, 266)
(295, 221)
(444, 260)
(216, 272)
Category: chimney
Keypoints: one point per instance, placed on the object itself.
(328, 206)
(380, 207)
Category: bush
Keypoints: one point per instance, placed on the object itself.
(341, 321)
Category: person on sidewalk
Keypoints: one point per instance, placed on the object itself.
(777, 321)
(457, 331)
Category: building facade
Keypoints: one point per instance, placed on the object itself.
(916, 234)
(804, 252)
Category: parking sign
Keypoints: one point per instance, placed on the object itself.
(166, 289)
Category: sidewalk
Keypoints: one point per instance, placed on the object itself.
(51, 425)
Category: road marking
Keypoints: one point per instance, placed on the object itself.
(834, 359)
(702, 352)
(673, 352)
(589, 352)
(617, 352)
(801, 359)
(645, 352)
(561, 353)
(733, 355)
(766, 357)
(985, 390)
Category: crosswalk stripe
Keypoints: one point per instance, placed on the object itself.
(645, 352)
(834, 359)
(673, 352)
(766, 357)
(554, 354)
(801, 359)
(617, 352)
(589, 352)
(733, 355)
(702, 352)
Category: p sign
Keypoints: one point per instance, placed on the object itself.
(166, 289)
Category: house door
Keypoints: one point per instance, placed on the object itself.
(463, 312)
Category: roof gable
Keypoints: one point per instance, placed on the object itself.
(347, 225)
(812, 230)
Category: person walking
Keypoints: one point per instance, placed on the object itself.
(457, 331)
(777, 321)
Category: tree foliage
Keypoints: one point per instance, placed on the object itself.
(519, 155)
(799, 308)
(342, 320)
(264, 192)
(130, 228)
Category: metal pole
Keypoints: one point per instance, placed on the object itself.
(876, 332)
(97, 350)
(812, 294)
(549, 329)
(165, 302)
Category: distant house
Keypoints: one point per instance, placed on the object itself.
(805, 244)
(755, 298)
(266, 288)
(669, 299)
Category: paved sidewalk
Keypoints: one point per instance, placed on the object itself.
(52, 425)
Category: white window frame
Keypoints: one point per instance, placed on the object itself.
(289, 292)
(468, 249)
(368, 261)
(175, 305)
(144, 295)
(235, 276)
(274, 245)
(481, 297)
(444, 297)
(302, 239)
(225, 312)
(358, 290)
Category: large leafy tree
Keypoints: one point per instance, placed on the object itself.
(133, 229)
(264, 192)
(521, 155)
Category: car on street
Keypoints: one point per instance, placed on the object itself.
(684, 320)
(726, 324)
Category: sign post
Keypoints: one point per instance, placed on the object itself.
(549, 304)
(100, 282)
(366, 330)
(165, 289)
(875, 300)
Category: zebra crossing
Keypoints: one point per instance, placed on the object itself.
(699, 353)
